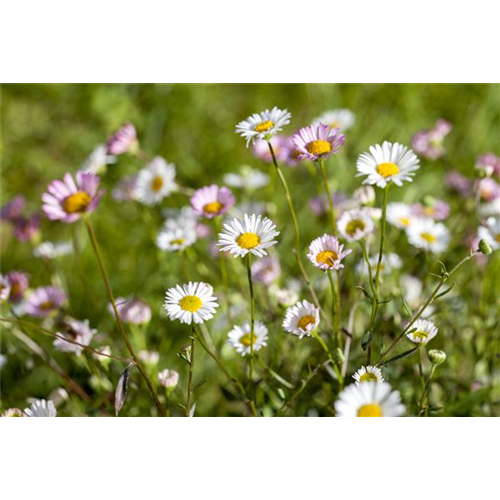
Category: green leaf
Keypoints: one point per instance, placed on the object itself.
(406, 310)
(442, 294)
(399, 356)
(366, 340)
(367, 294)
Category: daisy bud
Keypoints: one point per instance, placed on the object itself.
(168, 378)
(338, 356)
(436, 356)
(484, 247)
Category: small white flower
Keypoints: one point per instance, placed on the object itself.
(364, 195)
(368, 374)
(301, 319)
(149, 357)
(428, 235)
(490, 232)
(97, 160)
(369, 399)
(168, 378)
(355, 224)
(386, 163)
(155, 182)
(171, 240)
(399, 215)
(248, 178)
(263, 125)
(49, 250)
(76, 331)
(341, 118)
(326, 253)
(4, 287)
(425, 330)
(252, 234)
(41, 408)
(194, 302)
(240, 337)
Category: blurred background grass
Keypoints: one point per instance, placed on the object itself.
(50, 129)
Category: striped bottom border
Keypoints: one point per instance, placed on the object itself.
(232, 457)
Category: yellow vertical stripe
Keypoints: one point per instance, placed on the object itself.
(370, 453)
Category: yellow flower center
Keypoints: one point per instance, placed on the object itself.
(405, 221)
(372, 410)
(248, 339)
(327, 257)
(213, 208)
(497, 238)
(305, 321)
(157, 183)
(190, 303)
(47, 305)
(15, 289)
(334, 125)
(264, 126)
(387, 169)
(368, 377)
(428, 237)
(248, 240)
(318, 148)
(76, 203)
(354, 226)
(420, 335)
(178, 241)
(430, 211)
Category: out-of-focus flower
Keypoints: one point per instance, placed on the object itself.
(125, 189)
(429, 143)
(412, 290)
(13, 412)
(459, 183)
(318, 142)
(26, 228)
(424, 331)
(491, 209)
(301, 319)
(104, 351)
(41, 408)
(437, 357)
(368, 374)
(433, 208)
(97, 160)
(387, 163)
(490, 232)
(19, 283)
(155, 182)
(428, 235)
(399, 215)
(263, 125)
(49, 250)
(489, 190)
(123, 140)
(75, 331)
(132, 310)
(326, 253)
(320, 204)
(266, 270)
(173, 240)
(364, 195)
(168, 378)
(247, 178)
(68, 201)
(283, 147)
(13, 209)
(354, 225)
(149, 357)
(343, 119)
(44, 300)
(241, 339)
(211, 201)
(390, 262)
(489, 163)
(4, 287)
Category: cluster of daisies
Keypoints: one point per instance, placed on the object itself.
(244, 232)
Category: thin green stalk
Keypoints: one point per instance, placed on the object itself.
(315, 334)
(335, 310)
(425, 391)
(328, 195)
(111, 297)
(191, 371)
(382, 235)
(223, 270)
(252, 313)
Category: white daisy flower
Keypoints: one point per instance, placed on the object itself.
(399, 215)
(390, 262)
(168, 378)
(491, 209)
(386, 163)
(370, 399)
(368, 374)
(155, 182)
(301, 319)
(4, 287)
(77, 331)
(179, 238)
(263, 125)
(248, 178)
(425, 330)
(326, 253)
(428, 235)
(13, 412)
(344, 119)
(491, 232)
(41, 408)
(194, 302)
(355, 224)
(240, 337)
(49, 250)
(97, 160)
(252, 234)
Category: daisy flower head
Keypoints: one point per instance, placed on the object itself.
(155, 182)
(123, 140)
(41, 408)
(4, 287)
(76, 331)
(489, 163)
(176, 239)
(19, 283)
(489, 190)
(317, 142)
(429, 143)
(248, 178)
(132, 310)
(368, 374)
(212, 200)
(490, 209)
(241, 339)
(432, 208)
(428, 235)
(97, 160)
(13, 412)
(369, 399)
(458, 183)
(387, 163)
(301, 319)
(263, 125)
(191, 303)
(44, 300)
(326, 253)
(343, 119)
(68, 200)
(168, 378)
(422, 331)
(266, 270)
(252, 234)
(400, 215)
(354, 225)
(490, 232)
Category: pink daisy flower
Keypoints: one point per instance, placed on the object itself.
(122, 140)
(489, 190)
(266, 270)
(489, 162)
(210, 201)
(44, 300)
(19, 283)
(26, 228)
(429, 143)
(132, 310)
(68, 201)
(13, 209)
(326, 253)
(318, 142)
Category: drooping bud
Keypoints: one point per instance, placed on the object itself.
(484, 247)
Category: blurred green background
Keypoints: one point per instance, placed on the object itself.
(48, 130)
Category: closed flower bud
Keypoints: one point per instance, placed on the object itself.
(338, 356)
(437, 357)
(484, 247)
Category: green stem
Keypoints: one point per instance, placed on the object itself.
(252, 314)
(335, 310)
(315, 334)
(382, 235)
(191, 370)
(328, 195)
(223, 270)
(426, 390)
(111, 297)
